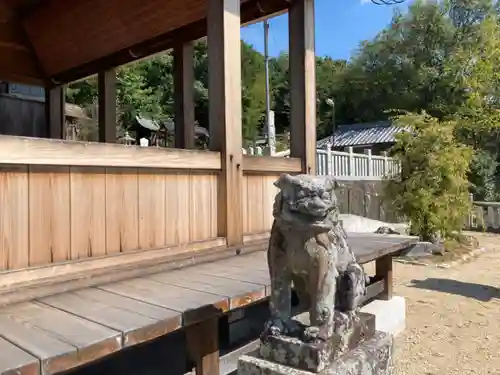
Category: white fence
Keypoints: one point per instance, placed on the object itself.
(346, 164)
(349, 164)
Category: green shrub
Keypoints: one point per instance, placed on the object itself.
(432, 191)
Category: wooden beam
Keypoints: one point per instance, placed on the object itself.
(265, 17)
(11, 36)
(250, 10)
(270, 164)
(107, 105)
(302, 83)
(224, 82)
(184, 95)
(19, 62)
(22, 150)
(54, 112)
(19, 70)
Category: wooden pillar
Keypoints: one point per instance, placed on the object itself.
(203, 346)
(184, 95)
(107, 106)
(383, 270)
(302, 83)
(224, 84)
(54, 112)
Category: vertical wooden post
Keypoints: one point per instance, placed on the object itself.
(224, 85)
(203, 346)
(383, 270)
(54, 112)
(302, 83)
(107, 106)
(184, 95)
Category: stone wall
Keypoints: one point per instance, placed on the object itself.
(484, 216)
(364, 197)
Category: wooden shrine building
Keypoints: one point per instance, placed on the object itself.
(76, 202)
(83, 226)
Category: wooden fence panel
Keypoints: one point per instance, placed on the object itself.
(14, 217)
(122, 209)
(258, 199)
(51, 214)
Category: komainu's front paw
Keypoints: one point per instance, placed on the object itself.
(311, 333)
(316, 334)
(274, 328)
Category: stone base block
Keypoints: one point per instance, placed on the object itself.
(371, 357)
(316, 356)
(390, 316)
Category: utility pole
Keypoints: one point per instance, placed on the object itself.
(270, 129)
(331, 104)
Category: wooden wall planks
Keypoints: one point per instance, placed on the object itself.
(151, 210)
(122, 220)
(51, 214)
(88, 211)
(258, 198)
(14, 245)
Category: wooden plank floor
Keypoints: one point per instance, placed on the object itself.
(63, 331)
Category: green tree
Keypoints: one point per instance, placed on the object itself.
(135, 97)
(482, 176)
(474, 68)
(328, 72)
(253, 92)
(280, 93)
(432, 191)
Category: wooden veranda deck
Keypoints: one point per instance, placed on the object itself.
(60, 332)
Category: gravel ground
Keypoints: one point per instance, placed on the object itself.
(451, 316)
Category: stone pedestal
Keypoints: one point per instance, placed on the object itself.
(355, 347)
(316, 356)
(390, 316)
(371, 357)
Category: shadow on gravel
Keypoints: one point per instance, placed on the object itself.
(480, 292)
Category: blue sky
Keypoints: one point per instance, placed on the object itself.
(340, 26)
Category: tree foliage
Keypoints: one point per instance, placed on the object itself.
(432, 191)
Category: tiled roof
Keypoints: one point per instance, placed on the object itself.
(362, 134)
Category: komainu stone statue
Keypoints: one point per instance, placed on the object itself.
(308, 247)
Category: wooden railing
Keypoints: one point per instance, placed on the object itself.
(68, 200)
(85, 208)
